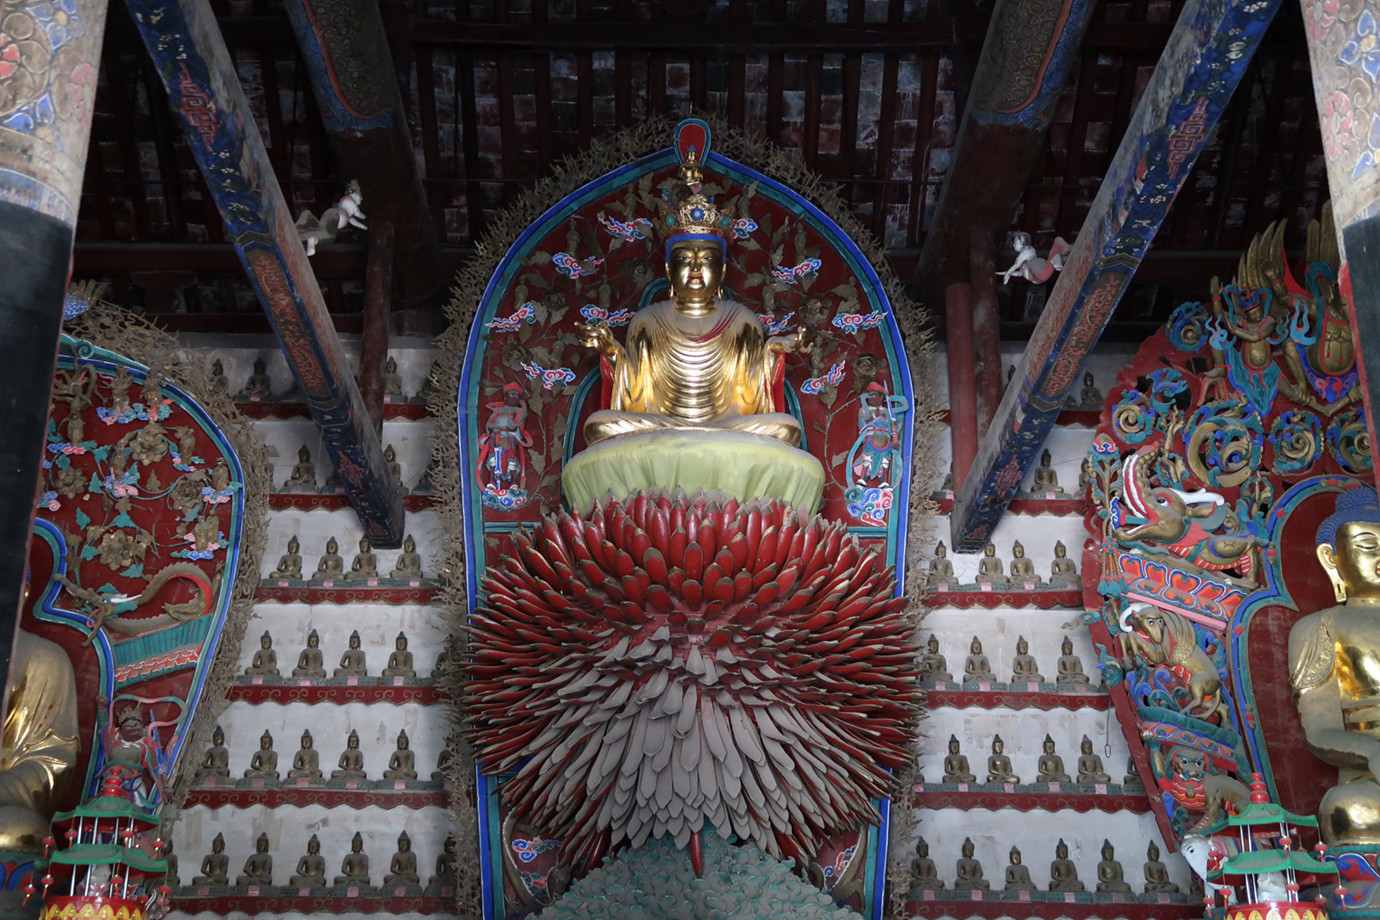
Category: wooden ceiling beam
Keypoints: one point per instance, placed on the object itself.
(199, 75)
(1211, 47)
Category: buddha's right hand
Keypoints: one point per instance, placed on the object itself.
(597, 336)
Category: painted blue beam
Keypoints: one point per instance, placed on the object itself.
(191, 58)
(1208, 52)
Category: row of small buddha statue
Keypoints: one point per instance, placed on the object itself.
(303, 475)
(259, 387)
(1024, 669)
(1063, 572)
(1050, 765)
(311, 664)
(364, 566)
(1063, 872)
(306, 763)
(311, 867)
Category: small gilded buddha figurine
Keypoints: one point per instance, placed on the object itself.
(956, 765)
(264, 763)
(216, 762)
(258, 387)
(352, 659)
(1157, 873)
(989, 567)
(1046, 480)
(1062, 571)
(331, 566)
(933, 665)
(923, 874)
(311, 868)
(1070, 666)
(265, 662)
(1063, 874)
(1090, 764)
(1110, 877)
(1051, 765)
(306, 763)
(1022, 569)
(351, 760)
(400, 661)
(409, 563)
(303, 475)
(390, 457)
(354, 868)
(697, 361)
(218, 379)
(392, 380)
(1132, 777)
(1017, 874)
(941, 568)
(365, 564)
(402, 868)
(1024, 669)
(258, 868)
(969, 870)
(215, 865)
(402, 764)
(1334, 667)
(309, 660)
(999, 765)
(446, 863)
(976, 667)
(290, 563)
(1090, 397)
(170, 877)
(1084, 476)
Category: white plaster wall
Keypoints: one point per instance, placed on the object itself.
(378, 725)
(292, 827)
(1036, 833)
(378, 625)
(314, 528)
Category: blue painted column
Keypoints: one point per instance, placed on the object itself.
(189, 52)
(1346, 79)
(1207, 53)
(47, 90)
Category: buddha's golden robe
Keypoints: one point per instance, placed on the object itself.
(39, 747)
(684, 371)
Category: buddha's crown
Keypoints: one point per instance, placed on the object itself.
(695, 216)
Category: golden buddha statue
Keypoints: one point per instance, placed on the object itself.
(695, 362)
(696, 377)
(1334, 667)
(38, 750)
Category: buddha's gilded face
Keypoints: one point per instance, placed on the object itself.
(1352, 561)
(695, 269)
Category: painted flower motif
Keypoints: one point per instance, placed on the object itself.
(9, 56)
(1338, 124)
(1319, 15)
(1363, 50)
(59, 19)
(49, 500)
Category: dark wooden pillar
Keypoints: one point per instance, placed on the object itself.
(373, 350)
(1349, 120)
(41, 167)
(346, 52)
(986, 327)
(963, 423)
(188, 51)
(1210, 48)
